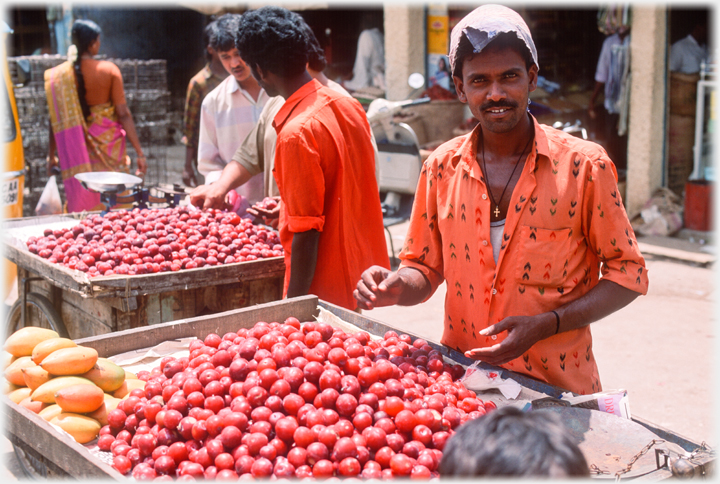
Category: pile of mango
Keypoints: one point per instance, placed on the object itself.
(66, 384)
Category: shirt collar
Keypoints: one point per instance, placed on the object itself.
(693, 40)
(233, 84)
(467, 152)
(295, 99)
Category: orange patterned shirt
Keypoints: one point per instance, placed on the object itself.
(566, 227)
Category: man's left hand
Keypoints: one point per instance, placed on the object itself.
(270, 216)
(522, 333)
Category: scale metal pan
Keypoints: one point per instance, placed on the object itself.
(108, 181)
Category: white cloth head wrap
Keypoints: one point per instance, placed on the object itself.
(483, 24)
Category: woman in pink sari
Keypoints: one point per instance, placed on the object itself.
(89, 118)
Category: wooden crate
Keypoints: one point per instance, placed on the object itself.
(93, 306)
(67, 456)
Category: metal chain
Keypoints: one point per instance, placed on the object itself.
(644, 451)
(704, 448)
(596, 470)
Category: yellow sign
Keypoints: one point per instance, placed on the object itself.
(437, 34)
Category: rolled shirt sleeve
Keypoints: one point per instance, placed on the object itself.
(608, 230)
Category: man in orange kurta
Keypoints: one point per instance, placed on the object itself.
(330, 219)
(521, 220)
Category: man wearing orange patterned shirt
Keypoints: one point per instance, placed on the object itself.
(520, 219)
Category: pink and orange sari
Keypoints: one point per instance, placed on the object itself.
(94, 144)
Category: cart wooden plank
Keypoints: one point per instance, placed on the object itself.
(303, 308)
(60, 449)
(120, 286)
(86, 316)
(33, 430)
(124, 286)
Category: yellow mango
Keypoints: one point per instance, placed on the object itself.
(35, 376)
(23, 341)
(6, 359)
(13, 373)
(46, 347)
(101, 413)
(20, 394)
(6, 387)
(50, 412)
(82, 428)
(106, 375)
(46, 392)
(70, 361)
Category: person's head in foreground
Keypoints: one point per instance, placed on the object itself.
(511, 443)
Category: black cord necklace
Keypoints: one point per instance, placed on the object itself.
(496, 212)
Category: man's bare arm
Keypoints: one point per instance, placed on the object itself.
(379, 287)
(524, 331)
(213, 195)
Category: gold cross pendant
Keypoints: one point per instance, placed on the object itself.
(497, 211)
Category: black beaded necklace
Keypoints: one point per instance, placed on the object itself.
(496, 212)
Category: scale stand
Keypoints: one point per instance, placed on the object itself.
(111, 184)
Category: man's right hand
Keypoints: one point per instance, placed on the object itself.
(378, 287)
(209, 196)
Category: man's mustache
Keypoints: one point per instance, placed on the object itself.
(498, 105)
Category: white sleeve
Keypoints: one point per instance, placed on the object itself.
(602, 73)
(361, 69)
(208, 151)
(675, 62)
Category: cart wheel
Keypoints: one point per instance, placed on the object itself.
(32, 467)
(38, 312)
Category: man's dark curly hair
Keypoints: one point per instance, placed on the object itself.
(221, 32)
(316, 60)
(508, 442)
(274, 39)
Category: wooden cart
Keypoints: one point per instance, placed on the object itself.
(93, 306)
(60, 455)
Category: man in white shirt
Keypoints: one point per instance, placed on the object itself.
(369, 68)
(688, 53)
(229, 113)
(611, 78)
(256, 154)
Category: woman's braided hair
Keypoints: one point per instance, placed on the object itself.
(84, 33)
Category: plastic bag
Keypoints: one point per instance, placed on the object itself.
(477, 379)
(49, 203)
(662, 214)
